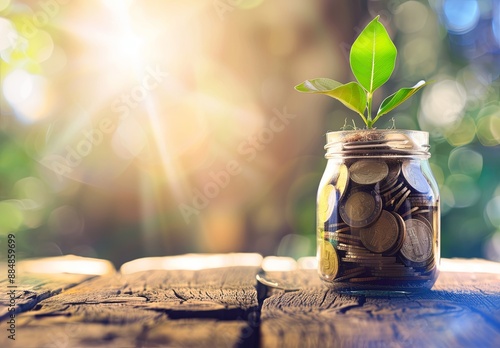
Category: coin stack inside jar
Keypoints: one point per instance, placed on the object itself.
(377, 220)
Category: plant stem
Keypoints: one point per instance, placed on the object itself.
(364, 118)
(369, 122)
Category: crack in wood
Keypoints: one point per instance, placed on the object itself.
(183, 299)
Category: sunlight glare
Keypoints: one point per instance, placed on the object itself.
(4, 4)
(28, 95)
(67, 264)
(125, 47)
(192, 262)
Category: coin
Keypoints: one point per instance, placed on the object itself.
(402, 192)
(414, 177)
(388, 194)
(381, 236)
(328, 260)
(365, 279)
(401, 272)
(336, 226)
(345, 276)
(403, 199)
(417, 244)
(336, 238)
(361, 208)
(367, 259)
(402, 233)
(392, 177)
(420, 201)
(339, 235)
(409, 212)
(351, 248)
(342, 180)
(276, 284)
(367, 172)
(326, 202)
(333, 228)
(419, 216)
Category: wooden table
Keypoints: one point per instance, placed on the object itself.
(220, 304)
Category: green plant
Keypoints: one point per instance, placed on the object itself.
(372, 59)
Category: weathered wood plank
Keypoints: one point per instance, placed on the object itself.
(38, 279)
(461, 311)
(219, 307)
(223, 293)
(63, 332)
(31, 289)
(156, 308)
(200, 333)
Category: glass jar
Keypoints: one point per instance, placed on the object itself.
(378, 215)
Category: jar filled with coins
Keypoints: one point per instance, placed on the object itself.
(378, 218)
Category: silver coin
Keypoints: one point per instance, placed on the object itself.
(417, 244)
(276, 284)
(414, 177)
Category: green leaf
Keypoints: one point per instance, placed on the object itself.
(317, 85)
(373, 56)
(351, 94)
(396, 99)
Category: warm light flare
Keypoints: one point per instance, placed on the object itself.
(67, 264)
(192, 262)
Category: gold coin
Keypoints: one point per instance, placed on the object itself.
(328, 260)
(326, 202)
(382, 235)
(342, 180)
(367, 172)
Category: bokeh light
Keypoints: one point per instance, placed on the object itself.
(461, 15)
(492, 211)
(465, 161)
(442, 105)
(488, 127)
(4, 4)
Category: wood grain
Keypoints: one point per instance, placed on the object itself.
(224, 307)
(462, 310)
(33, 288)
(156, 308)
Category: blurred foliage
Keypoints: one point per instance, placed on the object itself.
(115, 114)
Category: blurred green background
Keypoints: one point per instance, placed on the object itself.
(144, 128)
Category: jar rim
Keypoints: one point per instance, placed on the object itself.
(380, 142)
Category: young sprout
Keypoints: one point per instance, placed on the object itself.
(372, 59)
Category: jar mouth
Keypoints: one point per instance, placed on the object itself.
(375, 142)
